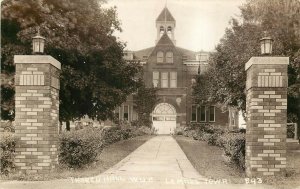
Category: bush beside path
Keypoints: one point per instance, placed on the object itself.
(86, 152)
(211, 162)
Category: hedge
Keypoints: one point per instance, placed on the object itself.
(234, 147)
(7, 152)
(79, 147)
(232, 142)
(76, 148)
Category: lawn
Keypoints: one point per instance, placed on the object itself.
(110, 156)
(210, 162)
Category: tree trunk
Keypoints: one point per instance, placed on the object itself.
(298, 116)
(60, 127)
(68, 125)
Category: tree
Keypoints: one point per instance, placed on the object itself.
(145, 99)
(226, 75)
(95, 78)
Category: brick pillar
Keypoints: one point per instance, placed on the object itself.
(266, 115)
(37, 109)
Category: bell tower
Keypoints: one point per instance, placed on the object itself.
(165, 22)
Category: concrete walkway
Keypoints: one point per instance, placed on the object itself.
(159, 164)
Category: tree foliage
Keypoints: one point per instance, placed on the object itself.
(227, 76)
(94, 78)
(145, 99)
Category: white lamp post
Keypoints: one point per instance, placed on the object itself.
(38, 43)
(266, 44)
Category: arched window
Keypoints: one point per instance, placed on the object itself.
(169, 57)
(161, 30)
(160, 57)
(169, 31)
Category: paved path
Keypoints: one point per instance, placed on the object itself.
(159, 164)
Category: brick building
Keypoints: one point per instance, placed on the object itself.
(172, 69)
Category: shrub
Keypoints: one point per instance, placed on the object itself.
(7, 152)
(80, 147)
(212, 139)
(144, 130)
(206, 136)
(7, 126)
(212, 129)
(111, 135)
(114, 134)
(234, 147)
(179, 130)
(135, 123)
(242, 130)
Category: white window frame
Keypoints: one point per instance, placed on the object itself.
(155, 79)
(214, 113)
(174, 79)
(124, 112)
(164, 79)
(232, 118)
(169, 57)
(160, 59)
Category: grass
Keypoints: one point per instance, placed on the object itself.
(210, 162)
(110, 156)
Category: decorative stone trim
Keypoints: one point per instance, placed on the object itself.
(36, 59)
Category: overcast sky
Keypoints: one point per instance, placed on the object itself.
(200, 24)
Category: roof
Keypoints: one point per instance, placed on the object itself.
(190, 55)
(165, 40)
(143, 52)
(165, 15)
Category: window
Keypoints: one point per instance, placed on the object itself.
(202, 114)
(161, 30)
(169, 31)
(164, 80)
(199, 113)
(160, 57)
(117, 113)
(126, 113)
(233, 118)
(203, 57)
(173, 79)
(155, 79)
(169, 57)
(212, 113)
(194, 113)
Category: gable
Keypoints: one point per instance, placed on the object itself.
(164, 44)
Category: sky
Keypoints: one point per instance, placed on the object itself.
(200, 24)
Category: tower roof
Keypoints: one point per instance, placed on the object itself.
(165, 15)
(165, 40)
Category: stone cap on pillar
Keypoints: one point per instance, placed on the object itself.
(37, 59)
(266, 60)
(267, 72)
